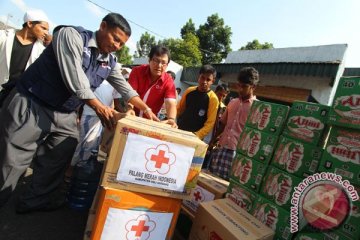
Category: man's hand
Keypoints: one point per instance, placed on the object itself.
(171, 122)
(106, 114)
(150, 115)
(130, 112)
(107, 117)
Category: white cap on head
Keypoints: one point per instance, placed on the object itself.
(35, 15)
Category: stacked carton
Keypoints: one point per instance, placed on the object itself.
(222, 219)
(256, 144)
(151, 168)
(297, 155)
(250, 170)
(208, 188)
(342, 150)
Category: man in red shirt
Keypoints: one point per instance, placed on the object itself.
(154, 85)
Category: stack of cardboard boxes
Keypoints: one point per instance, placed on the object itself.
(150, 169)
(342, 153)
(208, 188)
(303, 148)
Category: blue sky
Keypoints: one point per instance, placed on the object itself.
(285, 23)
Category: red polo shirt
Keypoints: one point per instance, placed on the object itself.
(152, 94)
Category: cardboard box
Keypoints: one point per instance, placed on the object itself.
(267, 117)
(278, 186)
(222, 219)
(107, 139)
(273, 216)
(208, 188)
(247, 172)
(296, 157)
(153, 158)
(241, 196)
(91, 216)
(256, 144)
(128, 215)
(345, 110)
(306, 122)
(342, 154)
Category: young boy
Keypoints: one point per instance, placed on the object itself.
(232, 123)
(198, 106)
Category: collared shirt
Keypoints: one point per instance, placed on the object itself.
(68, 47)
(154, 94)
(234, 119)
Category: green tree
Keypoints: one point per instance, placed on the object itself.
(214, 37)
(145, 44)
(123, 55)
(255, 44)
(189, 27)
(184, 51)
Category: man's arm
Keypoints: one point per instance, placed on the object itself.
(218, 132)
(117, 80)
(170, 105)
(68, 48)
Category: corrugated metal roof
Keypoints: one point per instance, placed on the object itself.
(190, 74)
(314, 54)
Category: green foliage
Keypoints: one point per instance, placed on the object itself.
(208, 44)
(189, 27)
(184, 51)
(123, 55)
(255, 44)
(215, 40)
(145, 44)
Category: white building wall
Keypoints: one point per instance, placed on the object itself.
(320, 86)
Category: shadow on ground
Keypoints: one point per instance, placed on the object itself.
(62, 224)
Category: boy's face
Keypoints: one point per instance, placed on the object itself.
(205, 80)
(221, 94)
(245, 90)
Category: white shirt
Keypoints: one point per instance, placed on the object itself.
(106, 94)
(6, 45)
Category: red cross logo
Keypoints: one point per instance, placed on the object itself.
(140, 228)
(197, 196)
(159, 159)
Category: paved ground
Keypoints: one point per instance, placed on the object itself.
(62, 224)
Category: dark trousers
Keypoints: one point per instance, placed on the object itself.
(30, 132)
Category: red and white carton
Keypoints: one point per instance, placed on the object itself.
(153, 158)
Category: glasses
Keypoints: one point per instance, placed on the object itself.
(158, 61)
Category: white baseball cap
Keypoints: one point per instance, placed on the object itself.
(35, 15)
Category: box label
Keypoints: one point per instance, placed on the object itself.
(241, 196)
(256, 144)
(278, 186)
(306, 121)
(342, 154)
(198, 195)
(134, 225)
(156, 163)
(268, 117)
(345, 110)
(296, 157)
(247, 172)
